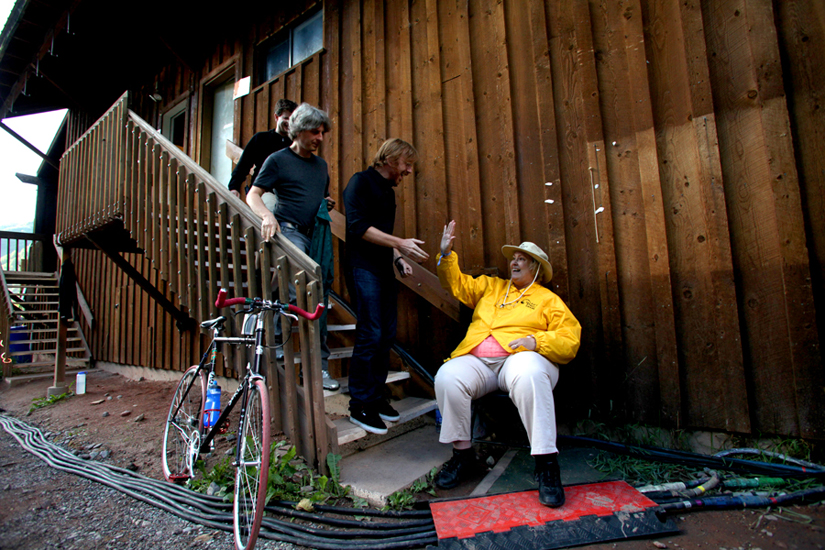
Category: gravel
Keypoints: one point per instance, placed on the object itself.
(47, 508)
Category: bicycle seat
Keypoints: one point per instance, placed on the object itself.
(211, 323)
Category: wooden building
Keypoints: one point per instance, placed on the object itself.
(669, 156)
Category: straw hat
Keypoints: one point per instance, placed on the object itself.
(536, 253)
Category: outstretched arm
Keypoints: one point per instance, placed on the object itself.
(408, 247)
(447, 238)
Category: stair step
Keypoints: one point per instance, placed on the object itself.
(32, 321)
(46, 340)
(330, 328)
(36, 351)
(408, 408)
(334, 353)
(392, 377)
(70, 328)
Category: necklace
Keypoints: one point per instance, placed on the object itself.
(509, 283)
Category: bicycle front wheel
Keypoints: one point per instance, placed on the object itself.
(182, 435)
(253, 467)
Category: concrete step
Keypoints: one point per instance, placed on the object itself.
(380, 471)
(25, 378)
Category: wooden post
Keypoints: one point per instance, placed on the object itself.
(59, 387)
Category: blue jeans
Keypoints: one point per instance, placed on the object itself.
(377, 310)
(302, 242)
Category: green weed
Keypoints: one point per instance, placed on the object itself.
(404, 500)
(40, 402)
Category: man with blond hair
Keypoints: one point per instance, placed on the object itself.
(373, 251)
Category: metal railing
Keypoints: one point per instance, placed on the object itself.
(199, 238)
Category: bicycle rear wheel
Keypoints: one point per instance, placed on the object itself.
(182, 434)
(253, 468)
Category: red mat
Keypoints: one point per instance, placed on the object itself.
(500, 513)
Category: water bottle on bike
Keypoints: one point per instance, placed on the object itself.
(212, 408)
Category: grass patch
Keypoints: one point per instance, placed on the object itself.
(406, 499)
(40, 402)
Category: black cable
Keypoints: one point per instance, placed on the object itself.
(207, 510)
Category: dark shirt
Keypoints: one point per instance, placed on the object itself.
(256, 152)
(300, 183)
(369, 200)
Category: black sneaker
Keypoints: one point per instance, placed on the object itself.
(367, 419)
(551, 491)
(457, 467)
(386, 412)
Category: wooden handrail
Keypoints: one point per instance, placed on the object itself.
(422, 281)
(249, 219)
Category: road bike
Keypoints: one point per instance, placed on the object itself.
(191, 428)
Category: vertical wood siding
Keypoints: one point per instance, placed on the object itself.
(667, 155)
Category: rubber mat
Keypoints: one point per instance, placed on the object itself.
(592, 513)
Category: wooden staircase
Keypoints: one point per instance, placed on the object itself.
(34, 327)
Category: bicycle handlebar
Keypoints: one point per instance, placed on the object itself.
(223, 301)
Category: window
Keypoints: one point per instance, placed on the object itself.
(291, 47)
(174, 125)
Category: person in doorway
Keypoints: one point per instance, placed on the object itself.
(300, 178)
(520, 332)
(373, 251)
(260, 146)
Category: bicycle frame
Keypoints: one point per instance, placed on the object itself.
(254, 371)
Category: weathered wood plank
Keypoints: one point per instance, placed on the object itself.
(710, 357)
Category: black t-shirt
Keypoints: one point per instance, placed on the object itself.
(260, 146)
(300, 183)
(369, 200)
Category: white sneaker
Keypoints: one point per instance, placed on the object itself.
(330, 383)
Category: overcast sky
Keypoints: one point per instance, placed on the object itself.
(17, 199)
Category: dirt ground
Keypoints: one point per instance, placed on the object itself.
(136, 444)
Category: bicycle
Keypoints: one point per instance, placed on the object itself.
(191, 428)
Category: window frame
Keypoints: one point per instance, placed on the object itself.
(285, 34)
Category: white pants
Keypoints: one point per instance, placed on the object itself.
(528, 378)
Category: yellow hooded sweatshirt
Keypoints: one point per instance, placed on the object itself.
(539, 313)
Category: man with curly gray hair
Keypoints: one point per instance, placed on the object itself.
(300, 178)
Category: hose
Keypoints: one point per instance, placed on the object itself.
(805, 465)
(216, 513)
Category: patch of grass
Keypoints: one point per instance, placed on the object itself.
(289, 478)
(404, 500)
(637, 471)
(222, 474)
(40, 402)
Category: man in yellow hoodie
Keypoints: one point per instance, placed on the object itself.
(520, 332)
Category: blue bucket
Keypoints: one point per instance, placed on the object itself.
(16, 334)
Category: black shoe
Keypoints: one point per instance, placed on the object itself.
(386, 412)
(367, 419)
(457, 467)
(551, 492)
